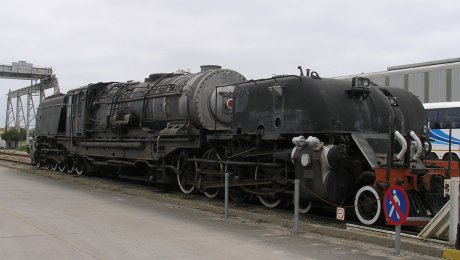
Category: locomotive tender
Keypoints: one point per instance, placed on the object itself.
(335, 136)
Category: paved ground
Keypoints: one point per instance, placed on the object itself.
(44, 218)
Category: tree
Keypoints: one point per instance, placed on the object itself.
(14, 136)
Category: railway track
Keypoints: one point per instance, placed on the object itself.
(14, 156)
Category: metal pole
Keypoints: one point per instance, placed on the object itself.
(390, 148)
(397, 239)
(29, 98)
(453, 187)
(18, 112)
(18, 117)
(8, 104)
(226, 196)
(295, 228)
(457, 242)
(453, 218)
(215, 120)
(450, 151)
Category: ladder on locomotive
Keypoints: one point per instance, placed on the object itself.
(122, 91)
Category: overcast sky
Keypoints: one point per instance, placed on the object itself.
(113, 40)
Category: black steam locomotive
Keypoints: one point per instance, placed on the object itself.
(335, 136)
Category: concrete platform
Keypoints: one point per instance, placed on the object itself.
(47, 218)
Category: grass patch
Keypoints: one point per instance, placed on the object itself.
(22, 148)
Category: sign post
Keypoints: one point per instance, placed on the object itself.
(396, 208)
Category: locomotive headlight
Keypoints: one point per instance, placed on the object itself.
(360, 82)
(365, 82)
(392, 101)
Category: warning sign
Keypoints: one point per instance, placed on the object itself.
(340, 213)
(396, 205)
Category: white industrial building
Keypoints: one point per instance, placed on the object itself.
(433, 81)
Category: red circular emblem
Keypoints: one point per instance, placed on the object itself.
(230, 103)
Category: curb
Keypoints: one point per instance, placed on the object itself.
(384, 240)
(451, 254)
(380, 240)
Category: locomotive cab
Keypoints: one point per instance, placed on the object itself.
(76, 112)
(51, 114)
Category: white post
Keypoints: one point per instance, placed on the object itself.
(453, 187)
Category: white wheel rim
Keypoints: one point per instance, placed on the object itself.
(261, 198)
(79, 170)
(182, 188)
(305, 209)
(54, 166)
(268, 204)
(62, 167)
(71, 169)
(377, 200)
(38, 164)
(211, 195)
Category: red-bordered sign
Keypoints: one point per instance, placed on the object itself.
(340, 213)
(230, 103)
(396, 205)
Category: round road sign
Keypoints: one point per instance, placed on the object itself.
(396, 205)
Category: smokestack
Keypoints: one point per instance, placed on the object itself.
(210, 67)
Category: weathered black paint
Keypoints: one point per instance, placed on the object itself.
(317, 106)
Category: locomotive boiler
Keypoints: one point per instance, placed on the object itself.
(134, 122)
(345, 141)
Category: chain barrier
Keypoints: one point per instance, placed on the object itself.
(333, 204)
(345, 206)
(259, 193)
